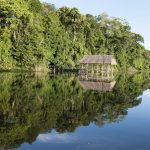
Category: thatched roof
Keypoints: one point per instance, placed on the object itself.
(98, 59)
(101, 86)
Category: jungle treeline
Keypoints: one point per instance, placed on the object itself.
(35, 34)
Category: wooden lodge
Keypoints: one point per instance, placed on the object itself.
(97, 67)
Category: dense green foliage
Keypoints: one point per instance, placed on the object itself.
(34, 104)
(34, 35)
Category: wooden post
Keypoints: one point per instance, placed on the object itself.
(108, 71)
(112, 70)
(92, 75)
(97, 71)
(82, 66)
(102, 71)
(87, 71)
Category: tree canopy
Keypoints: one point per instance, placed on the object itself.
(37, 34)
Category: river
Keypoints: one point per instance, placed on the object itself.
(43, 112)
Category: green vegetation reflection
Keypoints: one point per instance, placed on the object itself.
(32, 104)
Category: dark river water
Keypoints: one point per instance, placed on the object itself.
(65, 112)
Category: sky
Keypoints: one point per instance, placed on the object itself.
(136, 12)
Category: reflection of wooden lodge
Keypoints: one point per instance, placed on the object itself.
(97, 67)
(100, 86)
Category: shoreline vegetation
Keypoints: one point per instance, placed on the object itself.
(34, 35)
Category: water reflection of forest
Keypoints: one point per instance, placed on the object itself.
(34, 104)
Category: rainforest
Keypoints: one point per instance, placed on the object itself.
(35, 35)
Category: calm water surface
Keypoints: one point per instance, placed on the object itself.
(39, 112)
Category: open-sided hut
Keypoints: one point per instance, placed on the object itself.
(99, 65)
